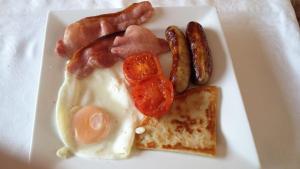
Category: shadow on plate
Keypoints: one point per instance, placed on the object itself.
(218, 55)
(221, 141)
(219, 68)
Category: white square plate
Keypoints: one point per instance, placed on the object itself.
(236, 148)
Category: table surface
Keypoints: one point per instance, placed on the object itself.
(263, 38)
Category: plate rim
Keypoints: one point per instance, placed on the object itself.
(42, 67)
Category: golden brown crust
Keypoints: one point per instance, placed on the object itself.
(189, 127)
(201, 57)
(181, 66)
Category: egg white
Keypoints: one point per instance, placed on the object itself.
(105, 88)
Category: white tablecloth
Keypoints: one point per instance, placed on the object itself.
(263, 38)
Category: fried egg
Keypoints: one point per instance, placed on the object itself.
(95, 116)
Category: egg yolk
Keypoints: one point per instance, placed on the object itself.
(91, 124)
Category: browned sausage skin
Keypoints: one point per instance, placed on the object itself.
(201, 57)
(181, 66)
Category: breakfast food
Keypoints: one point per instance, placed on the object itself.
(95, 55)
(141, 66)
(181, 66)
(190, 126)
(154, 96)
(84, 31)
(114, 90)
(138, 39)
(152, 93)
(95, 116)
(201, 58)
(107, 50)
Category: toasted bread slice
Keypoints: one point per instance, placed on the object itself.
(189, 127)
